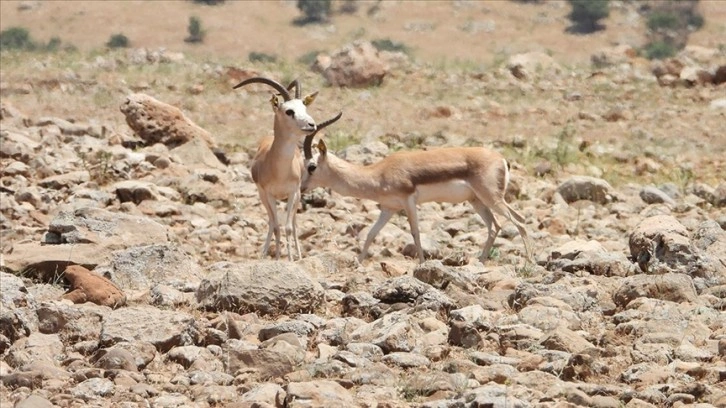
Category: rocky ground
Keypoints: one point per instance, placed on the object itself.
(131, 238)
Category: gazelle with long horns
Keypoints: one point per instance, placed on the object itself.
(277, 168)
(405, 179)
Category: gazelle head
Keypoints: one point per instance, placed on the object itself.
(291, 115)
(316, 166)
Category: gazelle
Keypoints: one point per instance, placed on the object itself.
(278, 167)
(405, 179)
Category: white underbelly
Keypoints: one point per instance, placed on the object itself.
(455, 191)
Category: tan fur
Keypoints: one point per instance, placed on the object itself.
(277, 170)
(404, 179)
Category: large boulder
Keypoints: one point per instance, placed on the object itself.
(264, 287)
(585, 188)
(157, 122)
(357, 65)
(661, 244)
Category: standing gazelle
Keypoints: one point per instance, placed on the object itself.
(278, 167)
(404, 179)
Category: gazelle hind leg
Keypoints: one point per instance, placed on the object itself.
(502, 208)
(493, 227)
(412, 214)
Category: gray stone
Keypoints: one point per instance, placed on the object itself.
(265, 287)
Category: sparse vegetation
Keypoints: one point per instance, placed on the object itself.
(586, 14)
(314, 11)
(16, 38)
(209, 2)
(255, 56)
(669, 25)
(118, 41)
(659, 50)
(196, 33)
(386, 44)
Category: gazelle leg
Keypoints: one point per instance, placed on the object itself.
(413, 223)
(294, 234)
(492, 227)
(292, 203)
(503, 208)
(383, 219)
(272, 225)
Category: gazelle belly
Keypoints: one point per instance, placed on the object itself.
(454, 191)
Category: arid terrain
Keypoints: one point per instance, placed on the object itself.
(618, 167)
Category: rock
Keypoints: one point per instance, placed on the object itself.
(392, 332)
(572, 249)
(531, 64)
(616, 55)
(407, 289)
(196, 154)
(653, 195)
(140, 268)
(165, 329)
(158, 122)
(87, 286)
(720, 76)
(357, 65)
(563, 339)
(34, 401)
(265, 287)
(317, 394)
(585, 188)
(263, 364)
(674, 287)
(661, 244)
(135, 191)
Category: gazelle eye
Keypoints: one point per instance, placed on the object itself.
(311, 168)
(290, 112)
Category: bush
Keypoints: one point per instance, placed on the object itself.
(118, 41)
(209, 2)
(255, 56)
(663, 20)
(585, 14)
(659, 50)
(16, 38)
(388, 45)
(669, 25)
(196, 34)
(315, 11)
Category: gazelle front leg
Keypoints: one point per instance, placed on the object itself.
(292, 203)
(413, 223)
(383, 219)
(272, 223)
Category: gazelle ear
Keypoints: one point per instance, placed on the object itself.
(310, 98)
(322, 148)
(275, 102)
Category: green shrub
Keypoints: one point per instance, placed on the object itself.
(309, 57)
(314, 11)
(255, 56)
(659, 50)
(118, 41)
(53, 44)
(660, 19)
(16, 38)
(196, 34)
(209, 2)
(585, 14)
(389, 45)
